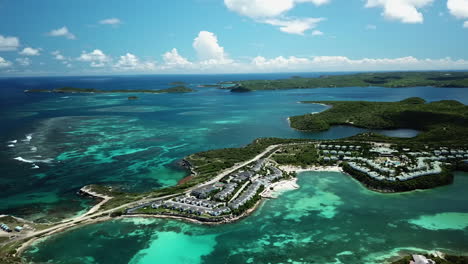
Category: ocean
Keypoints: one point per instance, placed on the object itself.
(54, 144)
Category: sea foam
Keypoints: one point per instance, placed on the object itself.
(32, 160)
(28, 138)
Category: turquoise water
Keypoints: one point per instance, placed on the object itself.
(63, 142)
(77, 140)
(330, 219)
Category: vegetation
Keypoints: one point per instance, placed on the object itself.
(297, 155)
(440, 121)
(209, 163)
(389, 79)
(176, 89)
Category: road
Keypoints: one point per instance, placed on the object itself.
(94, 215)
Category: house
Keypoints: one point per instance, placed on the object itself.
(205, 191)
(382, 151)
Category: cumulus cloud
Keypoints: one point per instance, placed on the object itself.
(57, 55)
(8, 43)
(208, 49)
(458, 8)
(273, 13)
(341, 63)
(30, 52)
(173, 58)
(465, 25)
(266, 8)
(24, 61)
(4, 63)
(405, 11)
(110, 21)
(61, 32)
(294, 26)
(130, 62)
(317, 33)
(97, 58)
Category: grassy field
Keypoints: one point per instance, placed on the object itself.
(388, 79)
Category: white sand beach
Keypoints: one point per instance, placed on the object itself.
(297, 169)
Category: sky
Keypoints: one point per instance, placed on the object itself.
(89, 37)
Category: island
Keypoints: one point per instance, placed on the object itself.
(226, 185)
(176, 89)
(439, 121)
(381, 79)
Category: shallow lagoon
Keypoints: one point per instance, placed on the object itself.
(330, 219)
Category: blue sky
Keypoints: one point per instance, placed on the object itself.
(56, 37)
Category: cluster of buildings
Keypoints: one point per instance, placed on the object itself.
(420, 164)
(247, 195)
(338, 152)
(443, 154)
(221, 198)
(6, 228)
(192, 206)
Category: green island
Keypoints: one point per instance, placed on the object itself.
(387, 79)
(225, 185)
(438, 121)
(176, 89)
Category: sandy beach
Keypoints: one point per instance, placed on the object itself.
(275, 189)
(297, 169)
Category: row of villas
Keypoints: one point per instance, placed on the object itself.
(443, 154)
(193, 206)
(202, 201)
(338, 147)
(247, 195)
(402, 177)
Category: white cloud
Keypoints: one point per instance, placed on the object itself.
(96, 57)
(208, 50)
(266, 8)
(458, 8)
(57, 55)
(130, 62)
(317, 33)
(173, 58)
(4, 63)
(24, 61)
(294, 26)
(30, 52)
(465, 25)
(110, 21)
(8, 43)
(342, 63)
(272, 12)
(62, 32)
(371, 27)
(405, 11)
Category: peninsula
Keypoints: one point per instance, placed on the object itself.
(381, 79)
(226, 185)
(176, 89)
